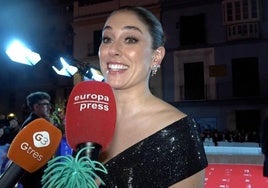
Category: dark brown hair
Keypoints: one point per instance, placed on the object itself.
(151, 21)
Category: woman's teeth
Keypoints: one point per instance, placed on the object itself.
(116, 67)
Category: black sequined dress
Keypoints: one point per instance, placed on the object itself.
(160, 160)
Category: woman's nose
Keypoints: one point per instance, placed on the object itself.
(115, 48)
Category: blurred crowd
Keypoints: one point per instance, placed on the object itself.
(216, 136)
(9, 127)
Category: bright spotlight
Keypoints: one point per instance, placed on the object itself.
(17, 52)
(66, 70)
(93, 74)
(88, 72)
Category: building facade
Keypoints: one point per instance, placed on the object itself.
(215, 67)
(217, 52)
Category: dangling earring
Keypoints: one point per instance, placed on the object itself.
(154, 69)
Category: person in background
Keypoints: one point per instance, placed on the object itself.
(3, 144)
(154, 144)
(40, 107)
(4, 124)
(2, 117)
(13, 128)
(7, 134)
(264, 145)
(2, 133)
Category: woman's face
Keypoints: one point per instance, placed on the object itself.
(126, 51)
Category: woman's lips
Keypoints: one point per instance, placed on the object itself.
(115, 67)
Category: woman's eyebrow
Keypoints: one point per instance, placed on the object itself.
(128, 27)
(133, 28)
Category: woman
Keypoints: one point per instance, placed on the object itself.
(155, 145)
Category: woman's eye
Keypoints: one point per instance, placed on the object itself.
(131, 40)
(106, 40)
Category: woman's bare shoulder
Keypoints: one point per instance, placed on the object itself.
(166, 114)
(170, 110)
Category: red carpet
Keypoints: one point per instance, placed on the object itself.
(235, 176)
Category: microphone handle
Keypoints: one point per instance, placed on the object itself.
(11, 176)
(92, 151)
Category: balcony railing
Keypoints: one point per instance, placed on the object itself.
(243, 31)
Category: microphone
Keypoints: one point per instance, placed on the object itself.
(32, 147)
(90, 124)
(90, 115)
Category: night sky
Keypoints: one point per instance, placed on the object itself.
(27, 20)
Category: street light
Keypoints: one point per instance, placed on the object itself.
(89, 72)
(93, 74)
(66, 70)
(19, 53)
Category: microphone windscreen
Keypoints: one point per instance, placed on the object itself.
(34, 145)
(90, 114)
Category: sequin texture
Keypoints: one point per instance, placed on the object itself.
(160, 160)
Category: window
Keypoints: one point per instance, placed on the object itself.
(192, 30)
(245, 77)
(97, 41)
(194, 81)
(237, 11)
(248, 120)
(229, 12)
(241, 18)
(254, 9)
(245, 9)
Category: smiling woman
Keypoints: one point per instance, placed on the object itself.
(155, 144)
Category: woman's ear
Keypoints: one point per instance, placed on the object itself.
(158, 55)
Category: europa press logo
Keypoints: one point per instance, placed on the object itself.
(41, 139)
(92, 101)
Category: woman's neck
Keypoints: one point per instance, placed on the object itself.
(131, 100)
